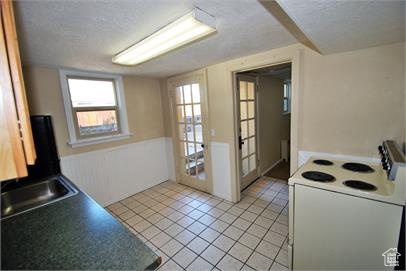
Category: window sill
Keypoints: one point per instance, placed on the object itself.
(98, 140)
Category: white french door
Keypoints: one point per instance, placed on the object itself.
(190, 133)
(247, 121)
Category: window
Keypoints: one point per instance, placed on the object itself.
(286, 96)
(94, 107)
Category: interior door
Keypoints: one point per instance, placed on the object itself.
(247, 121)
(190, 135)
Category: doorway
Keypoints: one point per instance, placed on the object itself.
(264, 122)
(190, 131)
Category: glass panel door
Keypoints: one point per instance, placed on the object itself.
(191, 134)
(248, 135)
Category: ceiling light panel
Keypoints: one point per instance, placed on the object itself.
(189, 28)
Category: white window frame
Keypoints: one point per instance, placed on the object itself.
(74, 140)
(289, 83)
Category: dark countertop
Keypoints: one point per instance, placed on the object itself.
(74, 233)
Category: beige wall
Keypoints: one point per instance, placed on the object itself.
(166, 107)
(352, 101)
(142, 96)
(273, 124)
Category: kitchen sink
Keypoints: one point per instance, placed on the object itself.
(21, 196)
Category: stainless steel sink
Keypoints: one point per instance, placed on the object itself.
(22, 196)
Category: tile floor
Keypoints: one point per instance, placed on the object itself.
(192, 230)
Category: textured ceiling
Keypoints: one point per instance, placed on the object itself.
(338, 26)
(86, 34)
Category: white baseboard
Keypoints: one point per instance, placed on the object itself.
(271, 167)
(305, 155)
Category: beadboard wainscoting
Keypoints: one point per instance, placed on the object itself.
(170, 158)
(305, 155)
(109, 175)
(221, 166)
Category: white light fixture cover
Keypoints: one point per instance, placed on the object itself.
(191, 27)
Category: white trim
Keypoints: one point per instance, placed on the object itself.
(271, 167)
(98, 140)
(73, 140)
(305, 155)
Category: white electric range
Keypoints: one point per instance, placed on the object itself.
(344, 214)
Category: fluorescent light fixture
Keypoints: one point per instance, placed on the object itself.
(191, 27)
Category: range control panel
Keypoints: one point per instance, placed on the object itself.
(391, 158)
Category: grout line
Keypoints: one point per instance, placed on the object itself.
(253, 194)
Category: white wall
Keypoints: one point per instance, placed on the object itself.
(110, 175)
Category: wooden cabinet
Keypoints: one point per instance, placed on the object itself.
(16, 142)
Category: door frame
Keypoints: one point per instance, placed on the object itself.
(172, 82)
(253, 79)
(259, 61)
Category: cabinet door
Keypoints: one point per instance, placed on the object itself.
(12, 160)
(17, 80)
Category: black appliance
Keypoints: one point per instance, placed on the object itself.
(47, 162)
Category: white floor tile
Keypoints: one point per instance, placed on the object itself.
(213, 254)
(192, 230)
(229, 263)
(240, 252)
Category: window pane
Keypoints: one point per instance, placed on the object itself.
(285, 105)
(191, 149)
(251, 110)
(285, 90)
(189, 114)
(186, 166)
(245, 166)
(197, 112)
(94, 122)
(196, 93)
(244, 148)
(200, 164)
(199, 133)
(187, 93)
(185, 148)
(199, 150)
(253, 163)
(251, 144)
(251, 94)
(251, 127)
(243, 110)
(244, 129)
(243, 91)
(190, 133)
(91, 93)
(193, 167)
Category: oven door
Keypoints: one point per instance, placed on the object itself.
(291, 221)
(290, 256)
